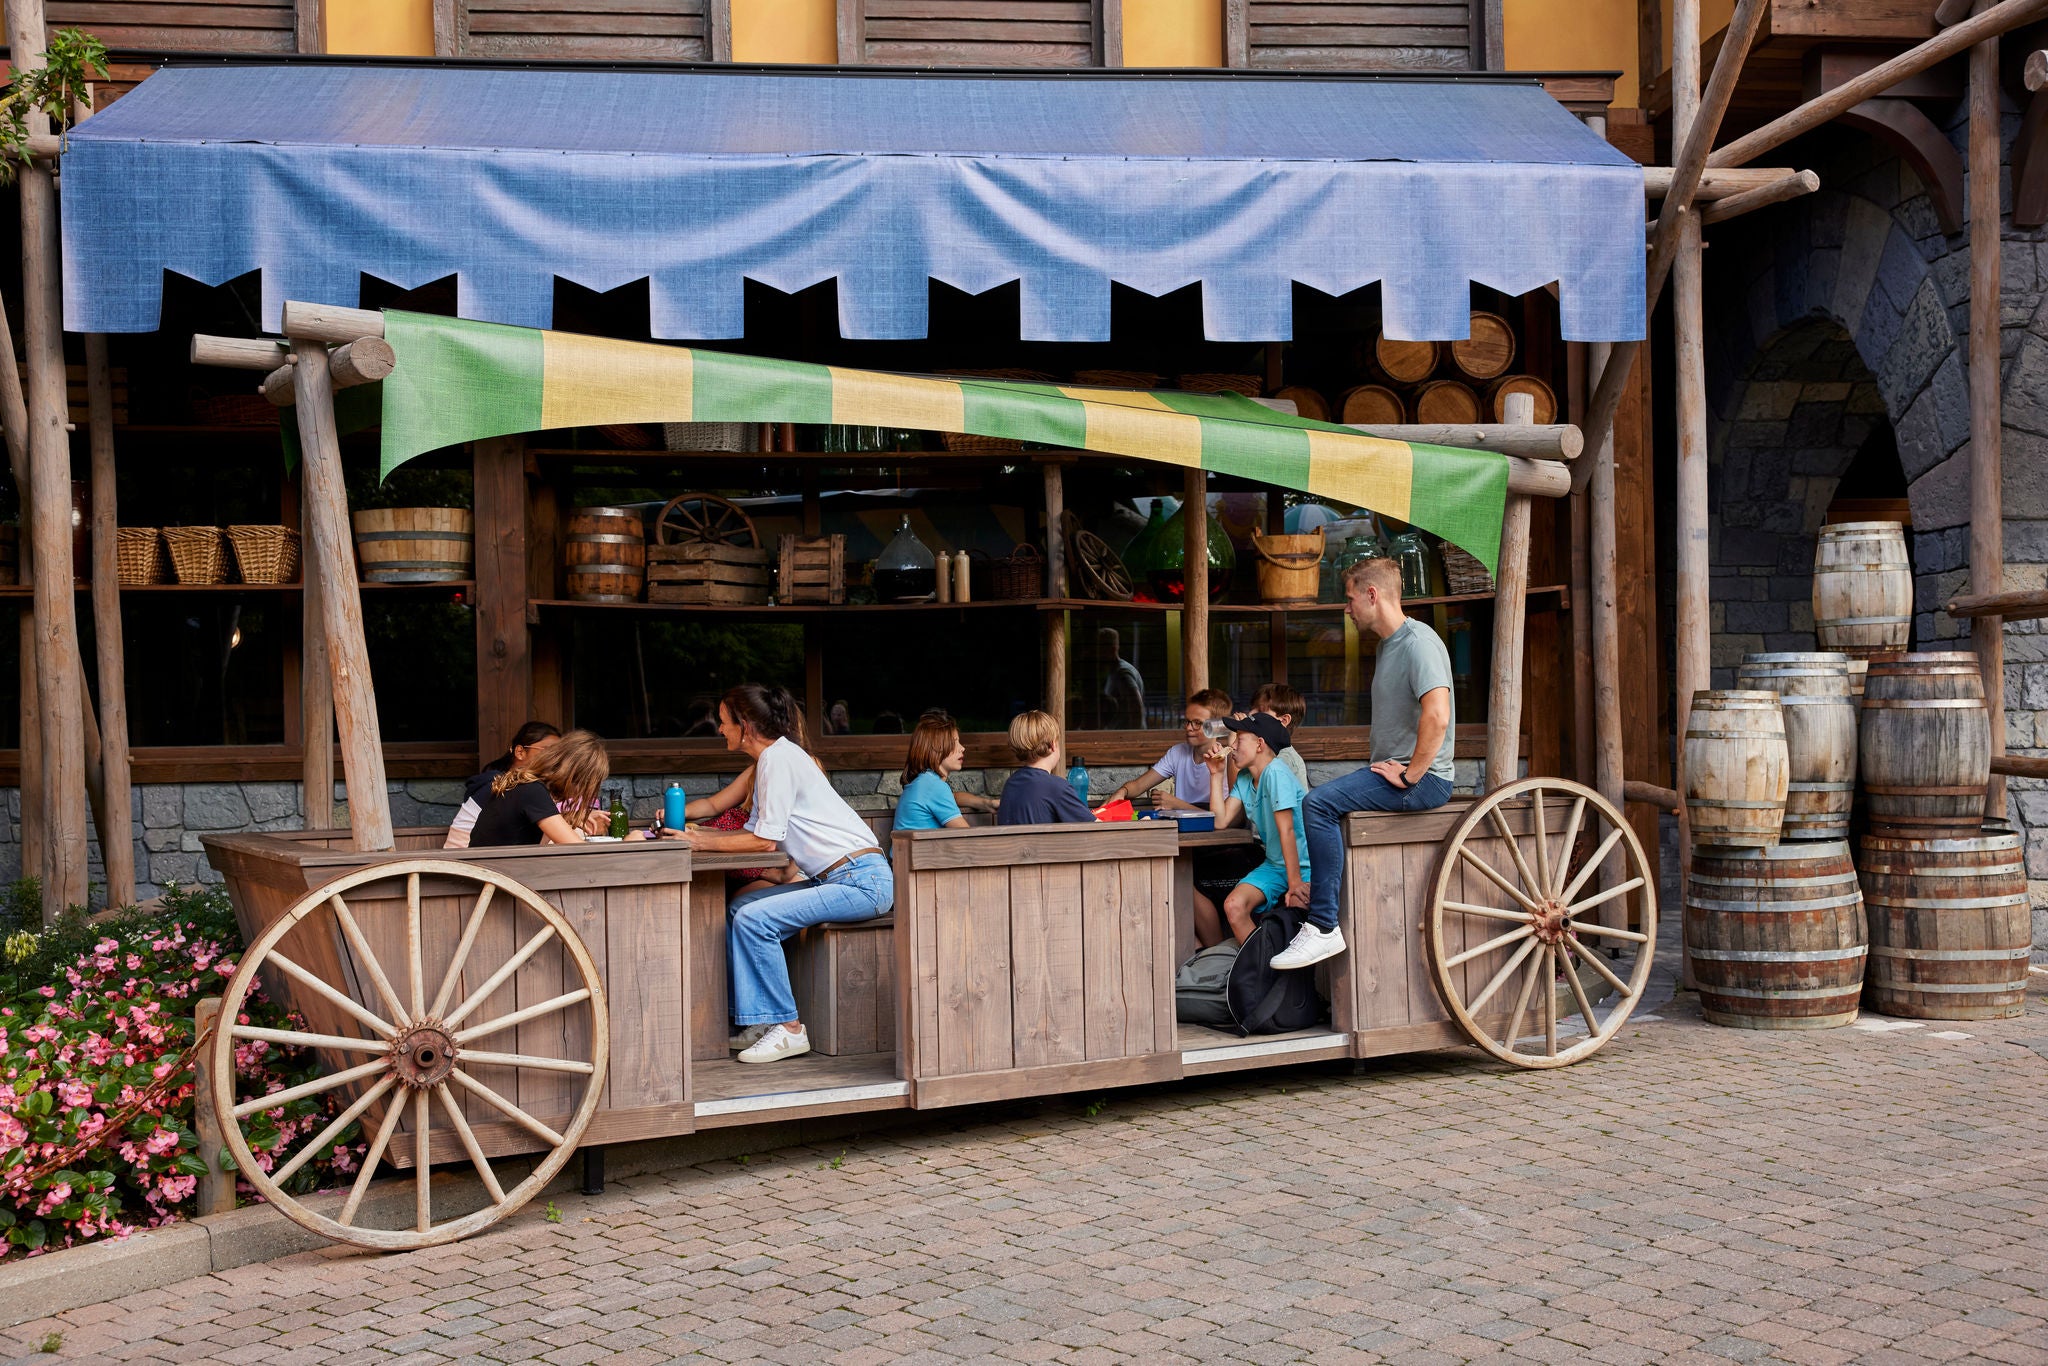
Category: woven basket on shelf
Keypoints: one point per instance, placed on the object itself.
(139, 555)
(1249, 385)
(711, 436)
(233, 410)
(1020, 574)
(198, 553)
(1119, 379)
(1463, 573)
(265, 554)
(968, 442)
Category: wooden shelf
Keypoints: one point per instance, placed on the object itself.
(1038, 604)
(16, 590)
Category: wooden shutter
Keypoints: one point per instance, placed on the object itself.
(1354, 36)
(603, 30)
(979, 32)
(184, 26)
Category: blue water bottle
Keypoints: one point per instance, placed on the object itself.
(1077, 778)
(674, 805)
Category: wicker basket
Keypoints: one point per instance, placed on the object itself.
(711, 436)
(1463, 573)
(1119, 379)
(233, 410)
(265, 554)
(139, 555)
(967, 442)
(1249, 385)
(198, 553)
(1020, 574)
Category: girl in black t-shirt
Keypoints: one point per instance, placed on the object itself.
(547, 797)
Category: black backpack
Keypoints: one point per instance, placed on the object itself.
(1263, 999)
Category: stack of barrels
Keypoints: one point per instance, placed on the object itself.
(1930, 919)
(1454, 383)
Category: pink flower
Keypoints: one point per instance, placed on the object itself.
(74, 1093)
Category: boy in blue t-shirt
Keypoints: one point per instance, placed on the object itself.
(1268, 798)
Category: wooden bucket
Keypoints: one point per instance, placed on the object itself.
(1372, 405)
(1289, 566)
(604, 555)
(1736, 768)
(415, 545)
(1449, 402)
(1950, 926)
(1863, 589)
(1924, 748)
(1777, 936)
(1489, 351)
(1820, 738)
(1544, 397)
(1405, 362)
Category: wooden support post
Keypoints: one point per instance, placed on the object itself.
(35, 829)
(1987, 516)
(316, 689)
(216, 1188)
(1055, 587)
(1194, 641)
(341, 604)
(117, 840)
(1510, 621)
(61, 725)
(1604, 552)
(504, 642)
(1694, 654)
(1581, 378)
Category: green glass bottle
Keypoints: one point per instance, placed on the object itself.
(1165, 577)
(620, 825)
(1141, 556)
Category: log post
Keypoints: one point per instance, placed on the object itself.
(1693, 648)
(217, 1188)
(1194, 642)
(35, 828)
(1987, 516)
(341, 604)
(61, 721)
(1055, 587)
(1604, 553)
(117, 840)
(1510, 621)
(316, 694)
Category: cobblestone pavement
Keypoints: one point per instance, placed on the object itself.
(1691, 1194)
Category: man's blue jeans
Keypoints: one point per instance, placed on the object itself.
(757, 923)
(1324, 812)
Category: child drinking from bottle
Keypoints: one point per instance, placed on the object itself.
(1184, 764)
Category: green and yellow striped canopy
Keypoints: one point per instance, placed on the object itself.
(460, 381)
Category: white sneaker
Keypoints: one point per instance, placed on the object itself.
(1310, 946)
(747, 1037)
(778, 1043)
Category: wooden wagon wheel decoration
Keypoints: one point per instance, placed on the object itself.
(1095, 569)
(1539, 906)
(421, 1039)
(705, 518)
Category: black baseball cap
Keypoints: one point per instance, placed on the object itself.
(1267, 728)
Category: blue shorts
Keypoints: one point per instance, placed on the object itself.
(1270, 881)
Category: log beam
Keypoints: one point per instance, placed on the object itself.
(2019, 766)
(2036, 70)
(336, 326)
(1715, 184)
(1510, 622)
(1663, 798)
(1791, 186)
(240, 353)
(362, 361)
(1560, 441)
(2026, 605)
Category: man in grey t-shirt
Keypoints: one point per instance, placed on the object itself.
(1411, 754)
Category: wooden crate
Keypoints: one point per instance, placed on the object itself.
(704, 574)
(813, 569)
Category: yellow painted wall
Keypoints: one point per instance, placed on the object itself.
(1574, 35)
(784, 31)
(1173, 32)
(381, 28)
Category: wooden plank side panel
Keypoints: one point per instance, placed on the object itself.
(1047, 1021)
(644, 986)
(1418, 867)
(1102, 963)
(974, 974)
(709, 1013)
(1384, 930)
(1139, 953)
(1165, 889)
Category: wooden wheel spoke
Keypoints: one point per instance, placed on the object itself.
(1622, 889)
(367, 959)
(1571, 837)
(1490, 945)
(1529, 980)
(504, 1022)
(416, 972)
(333, 1130)
(528, 1060)
(1492, 875)
(1542, 847)
(469, 1143)
(422, 1164)
(1548, 1006)
(453, 976)
(371, 1158)
(327, 993)
(1611, 931)
(1571, 975)
(314, 1087)
(505, 1107)
(501, 976)
(1500, 978)
(1593, 960)
(1514, 845)
(292, 1038)
(1490, 912)
(1591, 865)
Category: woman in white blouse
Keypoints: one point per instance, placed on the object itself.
(797, 813)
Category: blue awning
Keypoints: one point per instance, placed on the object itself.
(698, 180)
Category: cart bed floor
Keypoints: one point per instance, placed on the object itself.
(1215, 1050)
(732, 1092)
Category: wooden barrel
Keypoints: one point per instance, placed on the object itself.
(1736, 769)
(1447, 401)
(604, 555)
(1820, 738)
(1372, 405)
(1924, 748)
(1489, 351)
(1777, 936)
(415, 545)
(1950, 926)
(1405, 362)
(1863, 589)
(1541, 394)
(1308, 402)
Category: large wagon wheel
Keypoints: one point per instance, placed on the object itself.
(705, 518)
(1538, 905)
(418, 1045)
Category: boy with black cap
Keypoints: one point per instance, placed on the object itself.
(1268, 798)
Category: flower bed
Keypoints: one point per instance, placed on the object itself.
(96, 1034)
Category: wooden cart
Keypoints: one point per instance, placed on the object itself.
(503, 1007)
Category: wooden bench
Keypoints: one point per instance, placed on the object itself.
(844, 976)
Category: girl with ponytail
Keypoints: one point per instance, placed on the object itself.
(797, 813)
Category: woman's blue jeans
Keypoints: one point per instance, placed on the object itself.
(758, 922)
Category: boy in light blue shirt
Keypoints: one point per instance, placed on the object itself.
(1267, 797)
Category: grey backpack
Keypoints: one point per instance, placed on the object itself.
(1201, 989)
